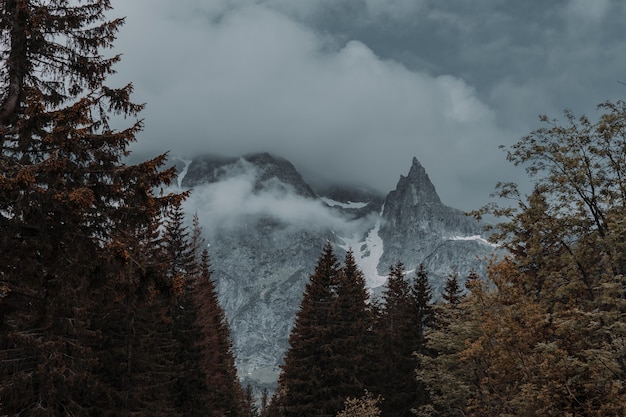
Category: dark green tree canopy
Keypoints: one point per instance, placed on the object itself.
(327, 357)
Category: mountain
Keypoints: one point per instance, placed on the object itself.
(275, 171)
(418, 228)
(266, 227)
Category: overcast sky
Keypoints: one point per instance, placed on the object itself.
(353, 89)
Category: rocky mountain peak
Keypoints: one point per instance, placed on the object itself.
(416, 188)
(416, 223)
(271, 172)
(272, 168)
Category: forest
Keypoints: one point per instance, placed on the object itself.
(108, 305)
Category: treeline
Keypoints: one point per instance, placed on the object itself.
(543, 334)
(344, 345)
(107, 307)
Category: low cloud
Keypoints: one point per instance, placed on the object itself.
(237, 200)
(353, 89)
(246, 78)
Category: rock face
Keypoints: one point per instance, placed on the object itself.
(262, 262)
(418, 228)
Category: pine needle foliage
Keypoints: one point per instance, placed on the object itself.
(327, 349)
(84, 324)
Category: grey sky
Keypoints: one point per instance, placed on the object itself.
(353, 89)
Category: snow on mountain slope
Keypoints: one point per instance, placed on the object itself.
(476, 238)
(183, 172)
(367, 254)
(348, 205)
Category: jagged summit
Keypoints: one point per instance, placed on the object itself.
(416, 222)
(416, 187)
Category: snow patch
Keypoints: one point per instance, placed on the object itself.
(367, 254)
(348, 205)
(476, 238)
(182, 174)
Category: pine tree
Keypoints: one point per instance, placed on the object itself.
(183, 255)
(472, 280)
(249, 404)
(75, 248)
(350, 324)
(423, 314)
(399, 338)
(221, 392)
(447, 379)
(452, 291)
(423, 317)
(179, 250)
(264, 411)
(302, 385)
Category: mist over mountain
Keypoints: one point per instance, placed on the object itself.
(266, 226)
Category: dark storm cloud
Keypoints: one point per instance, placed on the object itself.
(352, 89)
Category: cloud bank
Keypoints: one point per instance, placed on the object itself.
(351, 90)
(238, 200)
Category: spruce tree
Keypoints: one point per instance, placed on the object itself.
(221, 393)
(80, 271)
(452, 291)
(306, 375)
(398, 338)
(351, 322)
(448, 381)
(179, 252)
(423, 314)
(423, 317)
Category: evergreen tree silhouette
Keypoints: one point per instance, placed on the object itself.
(305, 385)
(83, 323)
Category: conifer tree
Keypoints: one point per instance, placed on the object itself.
(421, 294)
(222, 393)
(452, 291)
(302, 385)
(350, 324)
(179, 249)
(77, 224)
(472, 279)
(399, 336)
(249, 404)
(423, 317)
(448, 380)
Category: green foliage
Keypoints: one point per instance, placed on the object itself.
(444, 373)
(399, 331)
(326, 359)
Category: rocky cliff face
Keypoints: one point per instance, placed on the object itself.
(418, 228)
(263, 259)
